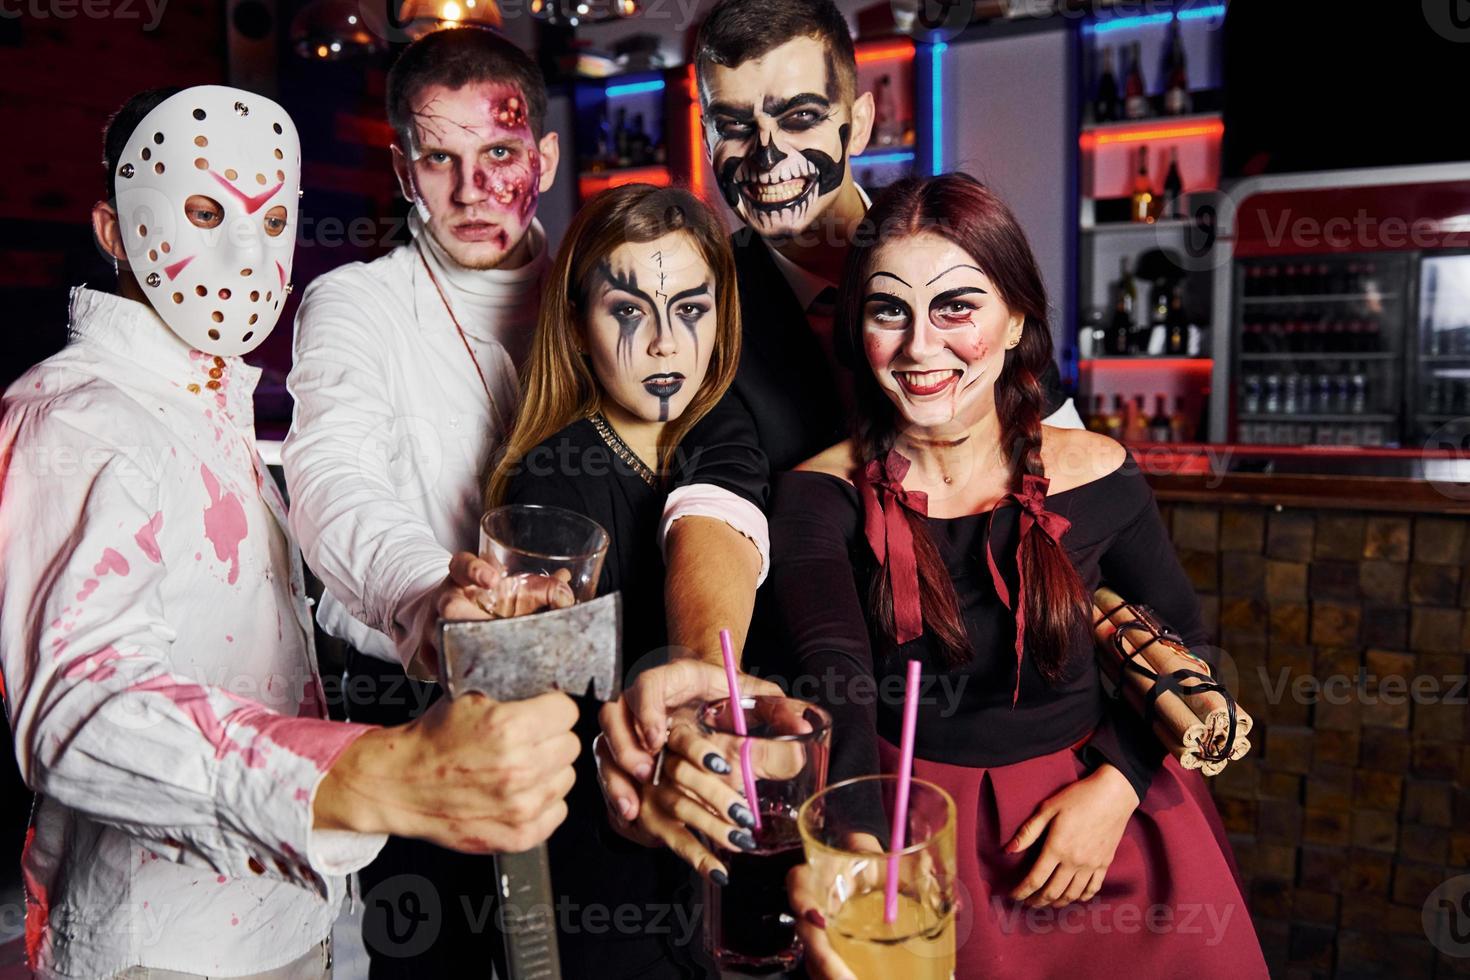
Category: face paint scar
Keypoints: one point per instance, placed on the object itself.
(659, 258)
(511, 112)
(224, 523)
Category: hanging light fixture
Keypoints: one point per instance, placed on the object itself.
(574, 12)
(332, 30)
(420, 17)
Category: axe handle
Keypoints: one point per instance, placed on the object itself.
(528, 914)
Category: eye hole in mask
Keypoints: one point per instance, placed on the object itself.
(275, 220)
(203, 212)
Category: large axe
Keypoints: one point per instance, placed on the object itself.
(511, 660)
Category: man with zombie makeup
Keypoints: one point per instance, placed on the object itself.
(405, 383)
(196, 811)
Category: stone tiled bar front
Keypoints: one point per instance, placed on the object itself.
(1341, 604)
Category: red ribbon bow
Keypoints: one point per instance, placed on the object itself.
(892, 541)
(1034, 516)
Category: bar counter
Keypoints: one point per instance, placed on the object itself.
(1335, 580)
(1339, 478)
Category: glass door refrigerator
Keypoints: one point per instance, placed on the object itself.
(1439, 392)
(1348, 299)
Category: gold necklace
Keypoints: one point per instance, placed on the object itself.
(494, 406)
(623, 450)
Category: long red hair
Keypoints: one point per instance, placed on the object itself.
(961, 209)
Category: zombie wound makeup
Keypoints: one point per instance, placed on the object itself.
(476, 169)
(778, 133)
(207, 192)
(650, 324)
(934, 332)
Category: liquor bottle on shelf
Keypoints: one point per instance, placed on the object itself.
(1142, 208)
(1176, 85)
(1290, 393)
(1358, 387)
(1180, 423)
(602, 147)
(1135, 92)
(640, 147)
(1136, 422)
(1269, 276)
(1113, 423)
(622, 151)
(1157, 337)
(1120, 331)
(1177, 323)
(1252, 285)
(1250, 402)
(1160, 429)
(1127, 286)
(1105, 106)
(1271, 395)
(1173, 205)
(1097, 419)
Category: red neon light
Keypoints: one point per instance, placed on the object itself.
(888, 52)
(696, 144)
(1213, 128)
(590, 184)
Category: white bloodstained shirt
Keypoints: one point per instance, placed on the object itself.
(159, 671)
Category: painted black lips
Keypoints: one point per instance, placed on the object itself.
(663, 385)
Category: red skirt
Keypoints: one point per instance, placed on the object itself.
(1171, 905)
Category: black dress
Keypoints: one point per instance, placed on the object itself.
(821, 568)
(623, 910)
(998, 762)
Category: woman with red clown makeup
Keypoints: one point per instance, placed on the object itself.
(956, 529)
(196, 813)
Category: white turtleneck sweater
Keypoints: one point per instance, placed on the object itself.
(392, 429)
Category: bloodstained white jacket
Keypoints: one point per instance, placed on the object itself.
(159, 672)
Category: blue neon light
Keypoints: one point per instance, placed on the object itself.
(936, 98)
(901, 156)
(634, 88)
(1145, 20)
(1124, 23)
(1202, 13)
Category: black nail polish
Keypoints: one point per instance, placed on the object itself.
(719, 877)
(714, 762)
(742, 840)
(740, 813)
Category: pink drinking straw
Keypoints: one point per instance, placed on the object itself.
(905, 777)
(737, 715)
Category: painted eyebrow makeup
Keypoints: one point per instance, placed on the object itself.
(962, 265)
(774, 106)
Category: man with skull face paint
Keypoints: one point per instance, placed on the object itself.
(197, 813)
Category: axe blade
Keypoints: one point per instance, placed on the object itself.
(520, 658)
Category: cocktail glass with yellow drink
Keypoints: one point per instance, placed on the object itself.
(845, 830)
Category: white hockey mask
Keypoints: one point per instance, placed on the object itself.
(220, 288)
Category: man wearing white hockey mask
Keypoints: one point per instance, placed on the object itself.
(196, 811)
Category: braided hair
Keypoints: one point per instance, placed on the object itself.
(961, 209)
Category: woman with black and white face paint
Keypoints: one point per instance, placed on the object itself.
(638, 339)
